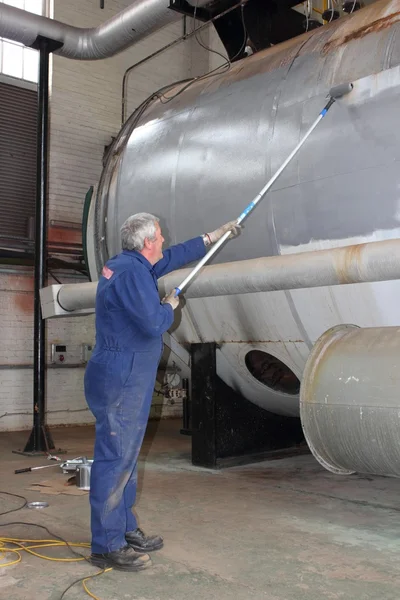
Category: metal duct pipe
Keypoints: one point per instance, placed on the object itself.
(78, 296)
(349, 400)
(373, 261)
(124, 29)
(359, 263)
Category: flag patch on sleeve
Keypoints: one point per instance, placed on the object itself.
(107, 273)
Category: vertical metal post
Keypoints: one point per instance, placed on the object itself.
(40, 439)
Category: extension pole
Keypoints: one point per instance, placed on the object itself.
(334, 94)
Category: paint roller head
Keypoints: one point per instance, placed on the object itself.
(340, 90)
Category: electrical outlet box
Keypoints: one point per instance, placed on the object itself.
(58, 353)
(87, 350)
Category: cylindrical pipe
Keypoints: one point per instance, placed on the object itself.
(360, 263)
(350, 402)
(77, 296)
(138, 20)
(373, 261)
(40, 439)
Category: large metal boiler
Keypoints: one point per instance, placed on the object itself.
(196, 158)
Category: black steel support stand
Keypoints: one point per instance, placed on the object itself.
(229, 430)
(204, 381)
(40, 440)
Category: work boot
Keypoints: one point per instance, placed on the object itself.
(141, 543)
(124, 559)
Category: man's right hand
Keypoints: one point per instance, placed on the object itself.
(171, 299)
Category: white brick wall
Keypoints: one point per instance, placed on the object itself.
(64, 385)
(85, 114)
(86, 101)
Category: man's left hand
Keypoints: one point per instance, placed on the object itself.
(232, 226)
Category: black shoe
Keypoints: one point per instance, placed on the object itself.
(125, 559)
(141, 543)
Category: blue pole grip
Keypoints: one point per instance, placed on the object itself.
(246, 211)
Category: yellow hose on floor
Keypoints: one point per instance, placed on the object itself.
(6, 549)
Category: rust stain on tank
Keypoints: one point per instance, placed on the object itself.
(373, 27)
(318, 42)
(346, 262)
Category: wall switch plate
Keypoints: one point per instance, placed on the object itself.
(87, 350)
(58, 353)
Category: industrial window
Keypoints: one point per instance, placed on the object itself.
(18, 118)
(16, 60)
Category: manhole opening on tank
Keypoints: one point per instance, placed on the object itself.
(272, 372)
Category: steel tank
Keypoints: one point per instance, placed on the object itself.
(349, 400)
(195, 158)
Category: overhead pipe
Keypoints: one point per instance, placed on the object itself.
(359, 263)
(140, 19)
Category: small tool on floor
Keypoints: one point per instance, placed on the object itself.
(28, 469)
(53, 457)
(334, 94)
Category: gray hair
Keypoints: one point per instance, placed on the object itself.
(136, 229)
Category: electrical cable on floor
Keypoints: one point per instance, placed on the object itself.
(14, 509)
(83, 580)
(48, 412)
(7, 543)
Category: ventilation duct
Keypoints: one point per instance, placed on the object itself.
(131, 25)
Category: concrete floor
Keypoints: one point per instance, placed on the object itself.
(277, 530)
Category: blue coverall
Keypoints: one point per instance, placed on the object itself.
(120, 378)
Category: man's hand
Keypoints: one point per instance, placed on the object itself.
(218, 233)
(171, 299)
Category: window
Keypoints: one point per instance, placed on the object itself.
(18, 118)
(16, 60)
(18, 108)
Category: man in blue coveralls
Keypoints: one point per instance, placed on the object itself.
(120, 378)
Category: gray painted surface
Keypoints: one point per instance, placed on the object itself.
(197, 160)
